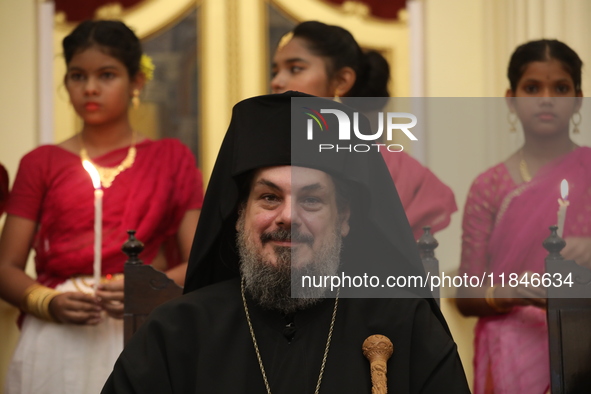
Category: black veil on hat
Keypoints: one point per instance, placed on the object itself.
(260, 135)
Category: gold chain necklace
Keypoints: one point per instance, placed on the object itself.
(108, 174)
(523, 170)
(256, 346)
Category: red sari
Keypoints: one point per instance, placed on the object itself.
(426, 200)
(53, 189)
(503, 230)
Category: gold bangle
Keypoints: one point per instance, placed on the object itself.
(36, 301)
(492, 302)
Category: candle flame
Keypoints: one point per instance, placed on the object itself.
(94, 175)
(564, 189)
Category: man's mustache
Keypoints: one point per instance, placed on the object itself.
(282, 235)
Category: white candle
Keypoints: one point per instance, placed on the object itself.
(98, 235)
(562, 205)
(98, 221)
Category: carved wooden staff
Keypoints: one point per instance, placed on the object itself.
(378, 349)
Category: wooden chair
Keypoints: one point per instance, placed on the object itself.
(145, 288)
(427, 245)
(569, 322)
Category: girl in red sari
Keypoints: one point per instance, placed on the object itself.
(70, 335)
(326, 61)
(509, 209)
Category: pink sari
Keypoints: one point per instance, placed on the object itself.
(512, 350)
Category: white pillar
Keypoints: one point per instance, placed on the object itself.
(45, 15)
(415, 10)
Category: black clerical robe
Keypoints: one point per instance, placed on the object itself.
(200, 343)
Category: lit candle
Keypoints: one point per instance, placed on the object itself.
(562, 205)
(98, 220)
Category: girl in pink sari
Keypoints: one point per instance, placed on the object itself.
(509, 209)
(72, 335)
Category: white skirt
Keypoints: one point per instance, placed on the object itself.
(64, 358)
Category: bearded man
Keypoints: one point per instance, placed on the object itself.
(277, 210)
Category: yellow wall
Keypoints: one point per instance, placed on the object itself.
(455, 68)
(18, 104)
(18, 130)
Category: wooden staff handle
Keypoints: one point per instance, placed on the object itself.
(378, 349)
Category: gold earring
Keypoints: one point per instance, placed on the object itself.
(135, 101)
(337, 97)
(577, 123)
(512, 118)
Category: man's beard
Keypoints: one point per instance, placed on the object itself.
(270, 285)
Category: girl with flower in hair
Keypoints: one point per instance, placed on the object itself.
(71, 336)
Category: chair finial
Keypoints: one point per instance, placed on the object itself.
(427, 243)
(132, 248)
(554, 244)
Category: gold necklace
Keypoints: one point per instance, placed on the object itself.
(523, 170)
(108, 174)
(256, 346)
